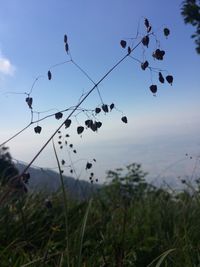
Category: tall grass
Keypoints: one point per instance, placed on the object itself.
(149, 227)
(63, 187)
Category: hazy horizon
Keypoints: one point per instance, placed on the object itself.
(161, 130)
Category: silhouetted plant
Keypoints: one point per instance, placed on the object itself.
(92, 122)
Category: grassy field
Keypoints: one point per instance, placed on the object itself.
(127, 223)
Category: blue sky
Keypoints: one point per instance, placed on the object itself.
(161, 129)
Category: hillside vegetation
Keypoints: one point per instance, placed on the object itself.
(128, 222)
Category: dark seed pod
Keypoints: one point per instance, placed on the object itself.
(88, 166)
(94, 126)
(88, 123)
(67, 48)
(145, 65)
(80, 129)
(65, 38)
(169, 79)
(105, 108)
(49, 75)
(153, 88)
(61, 147)
(166, 31)
(63, 162)
(155, 55)
(112, 106)
(71, 171)
(124, 119)
(145, 40)
(68, 123)
(75, 151)
(158, 54)
(149, 29)
(146, 23)
(29, 101)
(97, 110)
(123, 43)
(162, 53)
(98, 124)
(129, 50)
(38, 129)
(161, 78)
(94, 160)
(59, 142)
(71, 145)
(58, 115)
(67, 135)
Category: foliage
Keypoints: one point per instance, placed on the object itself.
(191, 13)
(7, 168)
(128, 223)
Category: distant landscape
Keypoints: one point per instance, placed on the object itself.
(99, 133)
(48, 181)
(127, 222)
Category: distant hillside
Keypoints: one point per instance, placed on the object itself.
(49, 181)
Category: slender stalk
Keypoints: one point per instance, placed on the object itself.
(83, 232)
(161, 258)
(64, 202)
(15, 135)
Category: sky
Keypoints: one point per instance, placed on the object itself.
(161, 129)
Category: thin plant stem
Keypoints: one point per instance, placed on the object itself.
(15, 135)
(85, 73)
(64, 202)
(83, 232)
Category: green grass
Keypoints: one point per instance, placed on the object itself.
(128, 223)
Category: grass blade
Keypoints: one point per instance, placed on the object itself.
(83, 231)
(161, 258)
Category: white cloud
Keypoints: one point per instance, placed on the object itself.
(6, 67)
